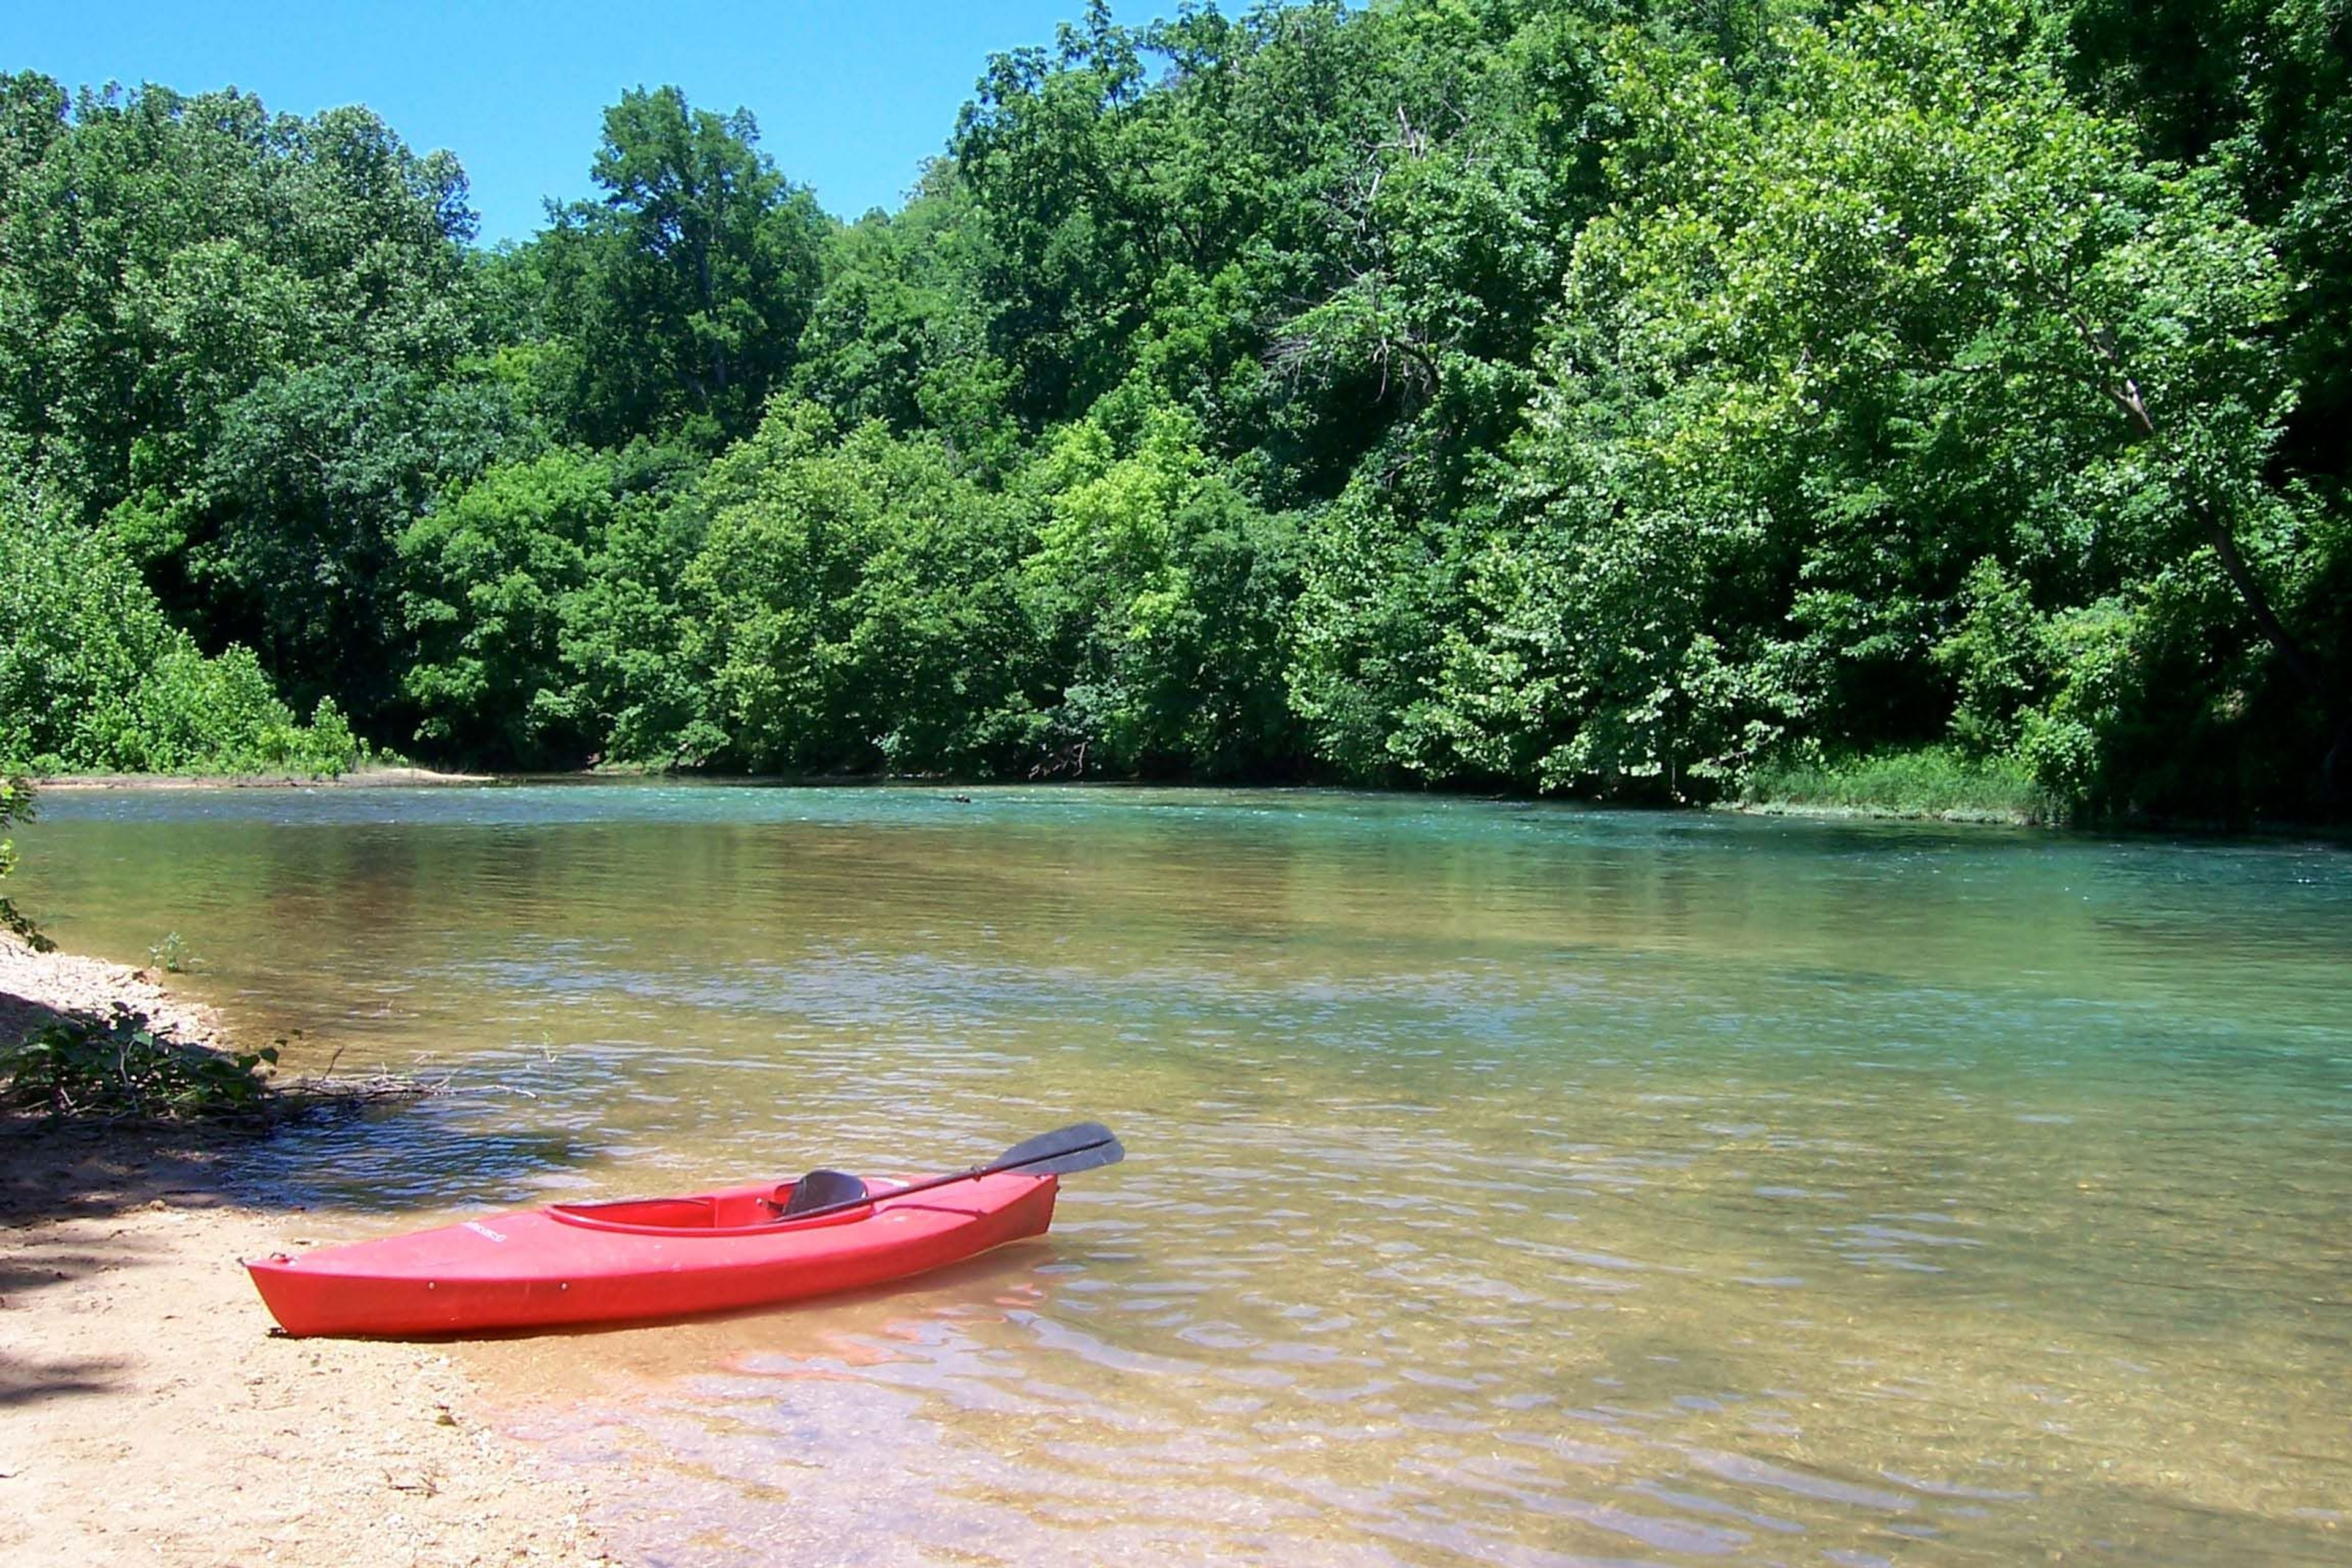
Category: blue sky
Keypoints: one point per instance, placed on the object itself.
(850, 96)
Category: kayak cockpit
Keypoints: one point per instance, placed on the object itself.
(752, 1211)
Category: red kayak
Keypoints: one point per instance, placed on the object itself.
(668, 1257)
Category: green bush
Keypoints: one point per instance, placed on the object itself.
(94, 677)
(853, 606)
(127, 1070)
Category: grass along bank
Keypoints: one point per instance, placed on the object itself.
(1931, 782)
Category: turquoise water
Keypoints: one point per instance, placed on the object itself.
(1509, 1183)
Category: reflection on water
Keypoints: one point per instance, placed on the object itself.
(1507, 1184)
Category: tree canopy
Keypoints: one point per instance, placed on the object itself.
(1580, 396)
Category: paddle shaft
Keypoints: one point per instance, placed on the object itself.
(930, 1183)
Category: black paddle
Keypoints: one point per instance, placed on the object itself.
(1079, 1147)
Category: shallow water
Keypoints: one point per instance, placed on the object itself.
(1508, 1183)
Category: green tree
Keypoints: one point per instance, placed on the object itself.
(1913, 309)
(900, 332)
(160, 255)
(2260, 92)
(94, 676)
(622, 634)
(1158, 593)
(305, 492)
(680, 296)
(484, 578)
(854, 606)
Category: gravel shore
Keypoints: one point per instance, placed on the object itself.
(38, 988)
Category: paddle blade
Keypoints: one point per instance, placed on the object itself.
(1077, 1148)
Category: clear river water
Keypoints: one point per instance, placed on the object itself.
(1508, 1183)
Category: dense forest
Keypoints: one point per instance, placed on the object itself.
(1627, 399)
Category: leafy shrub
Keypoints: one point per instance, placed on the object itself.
(1159, 591)
(94, 677)
(16, 806)
(125, 1069)
(487, 575)
(854, 606)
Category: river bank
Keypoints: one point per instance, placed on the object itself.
(1806, 799)
(358, 778)
(152, 1417)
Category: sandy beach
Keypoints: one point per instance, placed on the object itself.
(149, 1415)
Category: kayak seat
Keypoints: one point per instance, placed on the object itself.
(821, 1189)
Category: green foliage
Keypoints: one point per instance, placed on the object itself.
(221, 332)
(172, 955)
(16, 806)
(1159, 592)
(622, 633)
(679, 297)
(94, 677)
(1907, 310)
(1574, 396)
(307, 491)
(1314, 227)
(900, 331)
(2260, 92)
(487, 574)
(128, 1069)
(1932, 781)
(160, 255)
(854, 606)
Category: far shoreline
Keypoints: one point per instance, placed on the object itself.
(358, 778)
(1963, 816)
